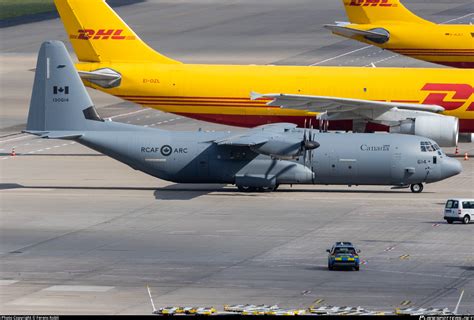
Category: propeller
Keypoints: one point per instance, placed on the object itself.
(323, 121)
(308, 145)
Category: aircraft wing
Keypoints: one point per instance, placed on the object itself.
(256, 136)
(336, 108)
(244, 140)
(340, 28)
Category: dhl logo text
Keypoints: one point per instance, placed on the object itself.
(449, 96)
(101, 34)
(370, 3)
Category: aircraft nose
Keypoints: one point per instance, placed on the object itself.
(450, 167)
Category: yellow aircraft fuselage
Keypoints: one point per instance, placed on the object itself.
(409, 35)
(449, 45)
(221, 93)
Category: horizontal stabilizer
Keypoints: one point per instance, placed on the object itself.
(373, 35)
(105, 78)
(55, 135)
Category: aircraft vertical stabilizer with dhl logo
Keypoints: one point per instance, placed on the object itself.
(375, 11)
(115, 60)
(388, 24)
(94, 20)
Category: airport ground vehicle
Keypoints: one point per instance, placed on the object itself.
(459, 210)
(343, 254)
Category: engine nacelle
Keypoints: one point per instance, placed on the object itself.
(285, 149)
(442, 129)
(282, 149)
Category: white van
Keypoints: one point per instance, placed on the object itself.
(459, 210)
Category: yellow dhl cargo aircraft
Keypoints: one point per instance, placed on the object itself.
(387, 24)
(113, 59)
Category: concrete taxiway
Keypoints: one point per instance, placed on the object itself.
(81, 233)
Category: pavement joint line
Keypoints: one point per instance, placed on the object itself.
(78, 288)
(7, 282)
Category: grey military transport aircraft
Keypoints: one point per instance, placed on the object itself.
(258, 159)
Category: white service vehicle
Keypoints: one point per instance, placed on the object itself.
(459, 210)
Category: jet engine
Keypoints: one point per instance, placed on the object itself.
(442, 129)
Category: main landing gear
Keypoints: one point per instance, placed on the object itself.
(416, 188)
(257, 189)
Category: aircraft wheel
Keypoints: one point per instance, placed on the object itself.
(268, 189)
(245, 189)
(416, 188)
(466, 219)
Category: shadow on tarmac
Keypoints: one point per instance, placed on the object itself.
(190, 191)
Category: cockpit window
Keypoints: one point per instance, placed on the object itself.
(426, 146)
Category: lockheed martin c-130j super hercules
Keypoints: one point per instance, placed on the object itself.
(261, 158)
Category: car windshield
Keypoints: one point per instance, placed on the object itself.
(344, 250)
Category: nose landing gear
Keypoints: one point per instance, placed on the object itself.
(416, 188)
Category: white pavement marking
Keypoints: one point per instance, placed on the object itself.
(341, 55)
(458, 18)
(78, 288)
(418, 274)
(127, 114)
(14, 139)
(382, 60)
(7, 282)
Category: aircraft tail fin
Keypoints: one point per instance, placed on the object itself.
(98, 34)
(60, 105)
(377, 11)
